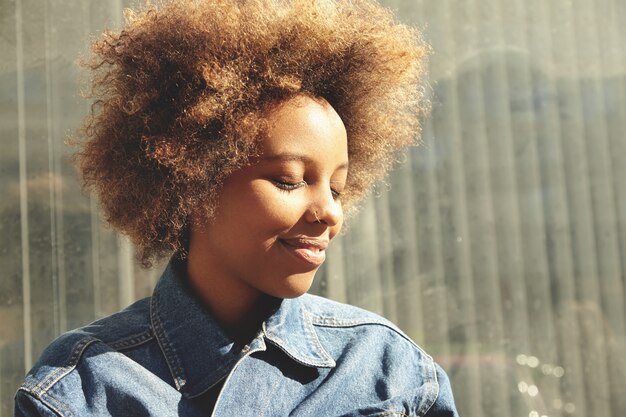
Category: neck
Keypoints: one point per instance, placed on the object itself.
(239, 309)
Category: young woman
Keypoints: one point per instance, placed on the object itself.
(234, 135)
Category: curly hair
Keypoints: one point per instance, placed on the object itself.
(181, 94)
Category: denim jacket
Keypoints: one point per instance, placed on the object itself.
(166, 356)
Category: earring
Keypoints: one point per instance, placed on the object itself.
(317, 219)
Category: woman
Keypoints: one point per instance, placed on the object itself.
(234, 134)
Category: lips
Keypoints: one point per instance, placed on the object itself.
(308, 250)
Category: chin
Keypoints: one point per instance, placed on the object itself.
(295, 285)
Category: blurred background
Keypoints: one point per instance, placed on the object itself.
(499, 244)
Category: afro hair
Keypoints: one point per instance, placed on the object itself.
(181, 92)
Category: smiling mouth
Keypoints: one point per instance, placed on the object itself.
(310, 251)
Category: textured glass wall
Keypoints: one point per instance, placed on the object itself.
(499, 244)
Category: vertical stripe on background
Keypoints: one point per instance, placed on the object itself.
(95, 257)
(125, 267)
(447, 132)
(23, 187)
(616, 100)
(54, 177)
(577, 187)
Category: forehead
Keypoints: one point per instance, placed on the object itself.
(304, 124)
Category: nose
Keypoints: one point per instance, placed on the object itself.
(324, 208)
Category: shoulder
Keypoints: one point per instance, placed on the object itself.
(384, 356)
(327, 313)
(117, 331)
(352, 332)
(66, 354)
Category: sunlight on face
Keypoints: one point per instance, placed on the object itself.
(275, 218)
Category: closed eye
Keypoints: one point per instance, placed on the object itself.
(287, 185)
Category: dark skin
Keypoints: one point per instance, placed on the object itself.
(274, 219)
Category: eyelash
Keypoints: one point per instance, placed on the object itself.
(289, 186)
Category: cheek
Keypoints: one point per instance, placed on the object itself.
(280, 208)
(268, 210)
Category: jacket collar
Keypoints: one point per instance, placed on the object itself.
(197, 351)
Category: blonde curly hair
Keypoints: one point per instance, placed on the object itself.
(182, 90)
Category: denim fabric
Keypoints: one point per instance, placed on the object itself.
(166, 356)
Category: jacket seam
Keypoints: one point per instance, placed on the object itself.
(168, 350)
(310, 330)
(280, 343)
(59, 373)
(332, 322)
(390, 413)
(49, 402)
(50, 399)
(432, 389)
(338, 324)
(132, 341)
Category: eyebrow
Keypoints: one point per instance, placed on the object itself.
(286, 157)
